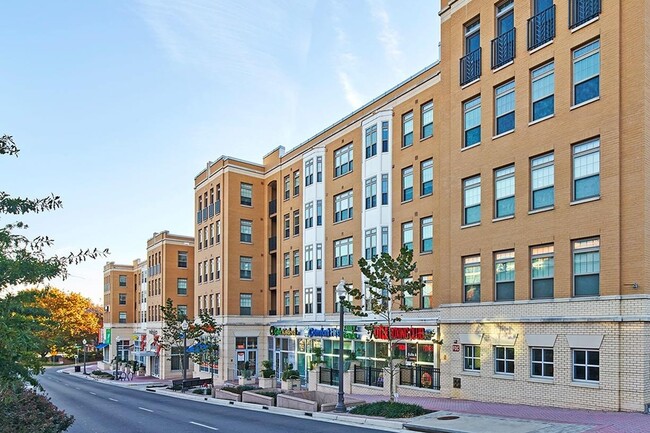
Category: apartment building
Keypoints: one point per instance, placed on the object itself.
(517, 169)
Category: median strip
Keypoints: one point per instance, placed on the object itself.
(203, 425)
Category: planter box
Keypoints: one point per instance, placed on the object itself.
(243, 381)
(253, 397)
(267, 382)
(291, 384)
(227, 395)
(313, 401)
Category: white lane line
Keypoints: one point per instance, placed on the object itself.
(145, 409)
(77, 388)
(93, 393)
(112, 399)
(203, 425)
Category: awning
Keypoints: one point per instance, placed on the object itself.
(197, 348)
(101, 345)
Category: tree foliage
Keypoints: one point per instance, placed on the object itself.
(25, 411)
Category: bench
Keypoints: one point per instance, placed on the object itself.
(191, 382)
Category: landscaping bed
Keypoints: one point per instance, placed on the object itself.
(387, 409)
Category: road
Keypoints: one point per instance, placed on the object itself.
(102, 408)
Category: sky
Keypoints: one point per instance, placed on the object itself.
(117, 105)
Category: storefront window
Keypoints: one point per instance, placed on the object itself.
(246, 349)
(425, 353)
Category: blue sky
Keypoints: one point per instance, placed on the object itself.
(117, 105)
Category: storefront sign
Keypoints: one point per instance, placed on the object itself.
(351, 332)
(455, 347)
(323, 332)
(411, 333)
(282, 331)
(240, 356)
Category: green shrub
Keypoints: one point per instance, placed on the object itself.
(239, 389)
(387, 409)
(268, 371)
(202, 391)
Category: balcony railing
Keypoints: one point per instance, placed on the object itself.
(273, 207)
(328, 376)
(199, 216)
(541, 28)
(581, 11)
(211, 210)
(273, 243)
(422, 376)
(370, 376)
(205, 213)
(503, 48)
(470, 67)
(217, 207)
(273, 280)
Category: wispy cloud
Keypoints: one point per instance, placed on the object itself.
(346, 62)
(388, 36)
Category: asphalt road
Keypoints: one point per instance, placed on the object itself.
(102, 408)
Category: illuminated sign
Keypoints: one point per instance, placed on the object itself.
(400, 333)
(323, 332)
(282, 331)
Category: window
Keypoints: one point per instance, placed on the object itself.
(542, 91)
(319, 169)
(384, 136)
(384, 189)
(472, 279)
(426, 235)
(296, 222)
(503, 46)
(218, 268)
(287, 187)
(586, 365)
(541, 362)
(504, 360)
(343, 162)
(287, 265)
(427, 292)
(586, 170)
(296, 262)
(245, 304)
(319, 256)
(287, 304)
(296, 302)
(246, 194)
(245, 268)
(471, 358)
(343, 206)
(586, 72)
(586, 267)
(211, 269)
(371, 192)
(371, 141)
(426, 177)
(407, 184)
(472, 36)
(122, 298)
(182, 259)
(472, 121)
(384, 239)
(407, 129)
(426, 119)
(504, 102)
(296, 183)
(122, 317)
(542, 265)
(504, 275)
(343, 253)
(200, 272)
(370, 241)
(200, 245)
(542, 181)
(182, 311)
(309, 172)
(205, 237)
(309, 300)
(319, 300)
(472, 200)
(218, 231)
(122, 279)
(470, 63)
(309, 258)
(246, 231)
(205, 271)
(504, 192)
(211, 234)
(181, 286)
(309, 215)
(407, 235)
(287, 226)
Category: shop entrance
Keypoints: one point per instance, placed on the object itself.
(246, 351)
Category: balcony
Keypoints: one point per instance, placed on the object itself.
(199, 218)
(470, 67)
(273, 280)
(273, 207)
(273, 243)
(503, 49)
(211, 210)
(205, 214)
(582, 11)
(541, 28)
(217, 207)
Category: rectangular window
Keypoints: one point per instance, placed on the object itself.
(287, 265)
(218, 268)
(407, 129)
(245, 304)
(384, 189)
(296, 183)
(471, 358)
(504, 192)
(586, 365)
(426, 235)
(384, 240)
(504, 360)
(287, 187)
(427, 292)
(309, 258)
(426, 177)
(543, 91)
(181, 286)
(541, 362)
(211, 234)
(371, 192)
(319, 256)
(343, 162)
(287, 304)
(296, 262)
(218, 231)
(182, 259)
(407, 184)
(472, 121)
(205, 271)
(384, 136)
(343, 209)
(309, 300)
(287, 226)
(246, 194)
(319, 212)
(122, 279)
(542, 173)
(504, 275)
(504, 104)
(586, 170)
(370, 243)
(319, 169)
(472, 279)
(122, 298)
(371, 141)
(407, 235)
(309, 215)
(542, 271)
(472, 200)
(586, 267)
(122, 318)
(245, 267)
(319, 300)
(246, 231)
(407, 300)
(343, 253)
(586, 72)
(309, 172)
(296, 302)
(200, 272)
(427, 119)
(296, 222)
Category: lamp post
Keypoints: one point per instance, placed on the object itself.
(84, 342)
(340, 292)
(184, 326)
(117, 342)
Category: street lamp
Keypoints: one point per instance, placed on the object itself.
(184, 326)
(117, 342)
(84, 342)
(340, 292)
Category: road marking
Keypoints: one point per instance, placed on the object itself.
(112, 399)
(92, 393)
(77, 388)
(203, 425)
(145, 409)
